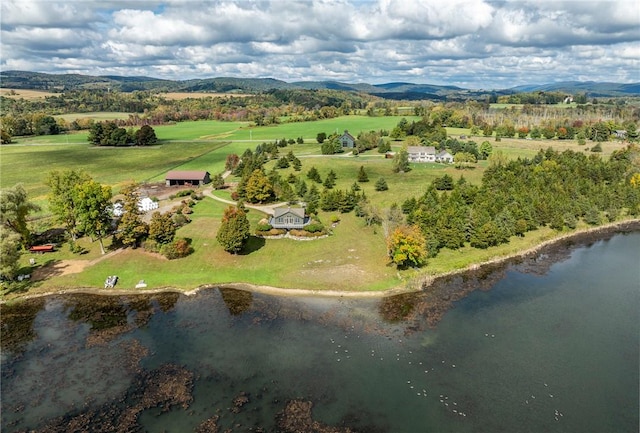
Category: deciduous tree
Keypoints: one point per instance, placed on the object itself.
(234, 230)
(145, 136)
(407, 246)
(94, 209)
(9, 253)
(258, 188)
(62, 198)
(15, 207)
(161, 228)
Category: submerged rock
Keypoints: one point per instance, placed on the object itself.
(296, 418)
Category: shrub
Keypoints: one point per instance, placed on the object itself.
(184, 193)
(263, 226)
(177, 249)
(179, 219)
(151, 246)
(314, 227)
(334, 218)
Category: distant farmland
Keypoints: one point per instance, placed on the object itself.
(196, 95)
(25, 94)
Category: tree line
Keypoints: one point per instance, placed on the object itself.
(553, 189)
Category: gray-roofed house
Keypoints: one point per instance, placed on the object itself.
(444, 156)
(347, 140)
(289, 218)
(187, 177)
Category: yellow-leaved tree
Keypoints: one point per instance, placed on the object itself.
(407, 246)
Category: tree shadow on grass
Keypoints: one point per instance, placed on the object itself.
(253, 244)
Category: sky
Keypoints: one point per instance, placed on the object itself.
(476, 44)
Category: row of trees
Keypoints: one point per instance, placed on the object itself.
(110, 134)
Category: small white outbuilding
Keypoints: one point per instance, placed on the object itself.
(146, 204)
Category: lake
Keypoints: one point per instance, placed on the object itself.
(547, 343)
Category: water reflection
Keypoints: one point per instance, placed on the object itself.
(229, 360)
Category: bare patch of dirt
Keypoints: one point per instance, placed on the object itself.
(58, 268)
(160, 190)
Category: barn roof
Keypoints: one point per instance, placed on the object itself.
(186, 175)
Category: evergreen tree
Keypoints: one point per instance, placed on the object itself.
(314, 175)
(401, 161)
(131, 228)
(362, 175)
(312, 200)
(282, 163)
(381, 185)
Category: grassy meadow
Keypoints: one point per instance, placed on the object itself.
(353, 258)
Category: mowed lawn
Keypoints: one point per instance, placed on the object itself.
(353, 258)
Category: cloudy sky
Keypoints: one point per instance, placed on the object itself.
(468, 43)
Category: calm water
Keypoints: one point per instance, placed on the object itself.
(538, 348)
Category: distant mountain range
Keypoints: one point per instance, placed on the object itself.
(41, 81)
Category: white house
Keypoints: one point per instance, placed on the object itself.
(428, 154)
(421, 153)
(146, 204)
(117, 209)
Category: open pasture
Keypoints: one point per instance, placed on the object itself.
(202, 145)
(98, 116)
(27, 94)
(109, 165)
(246, 131)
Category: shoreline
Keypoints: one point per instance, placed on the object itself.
(418, 283)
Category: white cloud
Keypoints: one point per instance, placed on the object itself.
(476, 43)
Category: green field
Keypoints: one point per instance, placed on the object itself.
(355, 251)
(354, 258)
